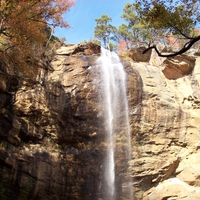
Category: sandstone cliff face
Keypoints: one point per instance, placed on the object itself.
(167, 139)
(52, 141)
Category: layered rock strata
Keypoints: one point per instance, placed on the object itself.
(52, 143)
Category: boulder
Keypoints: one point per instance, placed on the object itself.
(178, 66)
(188, 170)
(81, 49)
(173, 189)
(136, 54)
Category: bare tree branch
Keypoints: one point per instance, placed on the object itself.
(185, 48)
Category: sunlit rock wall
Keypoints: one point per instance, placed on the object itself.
(166, 143)
(52, 143)
(52, 138)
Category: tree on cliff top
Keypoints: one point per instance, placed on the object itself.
(131, 32)
(25, 27)
(177, 17)
(104, 30)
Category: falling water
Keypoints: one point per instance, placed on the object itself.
(116, 118)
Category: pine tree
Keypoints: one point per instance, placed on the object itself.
(104, 30)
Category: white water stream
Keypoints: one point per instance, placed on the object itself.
(116, 117)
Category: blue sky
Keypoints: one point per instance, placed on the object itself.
(81, 18)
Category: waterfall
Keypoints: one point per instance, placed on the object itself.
(115, 122)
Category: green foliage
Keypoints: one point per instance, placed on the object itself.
(150, 21)
(95, 41)
(129, 14)
(112, 46)
(124, 32)
(177, 17)
(103, 30)
(159, 17)
(136, 30)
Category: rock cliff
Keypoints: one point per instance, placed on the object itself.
(52, 143)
